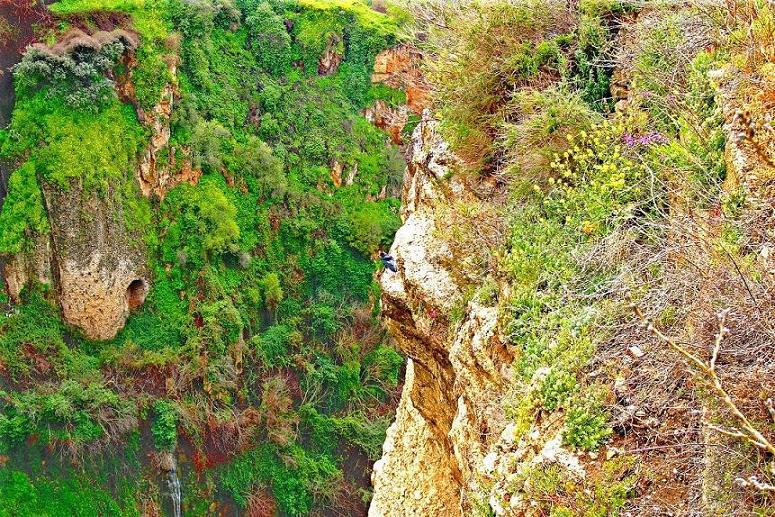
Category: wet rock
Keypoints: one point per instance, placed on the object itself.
(166, 462)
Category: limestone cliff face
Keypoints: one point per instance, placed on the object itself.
(416, 303)
(452, 448)
(456, 371)
(159, 170)
(93, 260)
(399, 68)
(98, 264)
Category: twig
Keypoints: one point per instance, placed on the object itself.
(746, 429)
(753, 482)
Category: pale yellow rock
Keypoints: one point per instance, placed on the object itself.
(414, 464)
(455, 382)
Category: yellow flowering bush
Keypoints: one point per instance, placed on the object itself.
(598, 176)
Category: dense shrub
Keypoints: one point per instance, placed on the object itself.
(164, 427)
(269, 39)
(586, 424)
(294, 484)
(25, 495)
(78, 77)
(272, 347)
(23, 214)
(199, 220)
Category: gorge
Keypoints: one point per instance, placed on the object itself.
(577, 195)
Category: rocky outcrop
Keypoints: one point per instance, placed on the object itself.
(159, 169)
(392, 120)
(24, 268)
(456, 371)
(416, 475)
(94, 261)
(153, 178)
(332, 56)
(399, 68)
(452, 447)
(97, 261)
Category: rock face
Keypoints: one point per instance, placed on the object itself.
(392, 120)
(25, 267)
(415, 304)
(94, 261)
(456, 371)
(451, 448)
(332, 57)
(98, 263)
(153, 178)
(158, 171)
(399, 68)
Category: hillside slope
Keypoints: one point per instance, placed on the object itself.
(584, 277)
(196, 201)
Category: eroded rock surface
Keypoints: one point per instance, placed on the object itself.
(399, 68)
(455, 372)
(159, 169)
(98, 262)
(451, 448)
(332, 57)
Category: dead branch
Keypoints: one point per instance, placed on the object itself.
(745, 430)
(755, 483)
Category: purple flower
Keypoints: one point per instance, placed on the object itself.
(647, 139)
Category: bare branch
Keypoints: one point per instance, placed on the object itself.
(746, 429)
(755, 483)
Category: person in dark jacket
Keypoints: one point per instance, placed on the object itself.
(388, 261)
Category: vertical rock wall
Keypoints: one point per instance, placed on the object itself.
(449, 411)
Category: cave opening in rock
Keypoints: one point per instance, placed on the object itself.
(135, 293)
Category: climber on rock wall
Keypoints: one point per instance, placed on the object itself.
(388, 261)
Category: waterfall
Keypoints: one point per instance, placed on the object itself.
(172, 484)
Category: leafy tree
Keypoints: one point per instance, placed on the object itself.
(209, 142)
(254, 160)
(200, 220)
(270, 40)
(273, 292)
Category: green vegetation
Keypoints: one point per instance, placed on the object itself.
(21, 495)
(164, 427)
(257, 359)
(257, 345)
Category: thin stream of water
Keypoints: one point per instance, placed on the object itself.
(174, 491)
